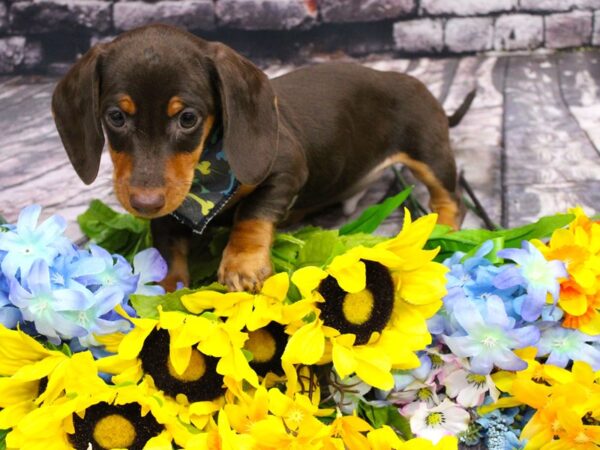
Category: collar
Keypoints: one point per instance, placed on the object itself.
(213, 186)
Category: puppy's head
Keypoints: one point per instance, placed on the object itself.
(156, 93)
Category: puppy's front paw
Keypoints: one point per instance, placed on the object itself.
(174, 281)
(245, 270)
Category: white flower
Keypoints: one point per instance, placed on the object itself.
(468, 388)
(446, 419)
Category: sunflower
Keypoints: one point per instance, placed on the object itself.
(166, 354)
(32, 375)
(106, 418)
(369, 307)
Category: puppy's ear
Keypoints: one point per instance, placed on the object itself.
(75, 106)
(249, 115)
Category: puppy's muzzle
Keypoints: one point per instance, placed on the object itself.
(147, 202)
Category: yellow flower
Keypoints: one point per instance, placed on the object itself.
(365, 302)
(579, 248)
(110, 417)
(32, 375)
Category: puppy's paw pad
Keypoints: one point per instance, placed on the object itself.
(244, 272)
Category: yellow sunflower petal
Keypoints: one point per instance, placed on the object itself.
(307, 345)
(343, 355)
(307, 279)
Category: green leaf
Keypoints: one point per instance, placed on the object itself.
(320, 248)
(146, 306)
(543, 228)
(385, 415)
(117, 233)
(3, 434)
(374, 215)
(492, 256)
(357, 239)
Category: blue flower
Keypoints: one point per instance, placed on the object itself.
(151, 268)
(116, 272)
(489, 341)
(97, 319)
(28, 242)
(500, 433)
(536, 273)
(47, 307)
(562, 345)
(73, 269)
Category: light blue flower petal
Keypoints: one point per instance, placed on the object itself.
(468, 316)
(482, 364)
(71, 300)
(508, 278)
(51, 229)
(533, 304)
(496, 313)
(87, 265)
(10, 316)
(106, 299)
(66, 327)
(27, 221)
(38, 279)
(463, 346)
(150, 265)
(507, 360)
(18, 295)
(150, 290)
(525, 336)
(517, 255)
(588, 354)
(558, 358)
(558, 268)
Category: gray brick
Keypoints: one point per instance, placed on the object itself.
(572, 29)
(12, 52)
(518, 32)
(3, 17)
(190, 14)
(33, 56)
(587, 4)
(364, 10)
(41, 16)
(466, 7)
(596, 35)
(420, 35)
(469, 34)
(548, 5)
(266, 14)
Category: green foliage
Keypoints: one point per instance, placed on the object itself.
(3, 434)
(118, 233)
(467, 240)
(147, 306)
(385, 415)
(374, 215)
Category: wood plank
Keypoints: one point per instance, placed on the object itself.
(477, 140)
(545, 147)
(34, 167)
(579, 76)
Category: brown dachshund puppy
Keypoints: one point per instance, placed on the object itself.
(295, 144)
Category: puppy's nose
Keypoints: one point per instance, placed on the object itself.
(147, 202)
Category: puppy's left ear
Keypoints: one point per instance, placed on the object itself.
(75, 106)
(249, 113)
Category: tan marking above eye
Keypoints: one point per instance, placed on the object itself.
(175, 106)
(127, 105)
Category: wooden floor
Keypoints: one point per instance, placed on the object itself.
(529, 145)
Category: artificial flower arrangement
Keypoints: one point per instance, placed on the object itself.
(431, 339)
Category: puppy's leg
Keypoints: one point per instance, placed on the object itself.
(438, 173)
(172, 240)
(246, 261)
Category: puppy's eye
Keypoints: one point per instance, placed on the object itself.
(188, 119)
(116, 117)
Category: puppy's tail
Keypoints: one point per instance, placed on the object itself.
(455, 118)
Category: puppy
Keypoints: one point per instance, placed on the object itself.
(284, 147)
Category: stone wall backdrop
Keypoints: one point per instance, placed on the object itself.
(46, 36)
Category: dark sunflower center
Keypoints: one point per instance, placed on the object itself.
(267, 346)
(107, 426)
(200, 380)
(361, 313)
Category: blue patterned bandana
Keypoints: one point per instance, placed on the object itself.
(213, 187)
